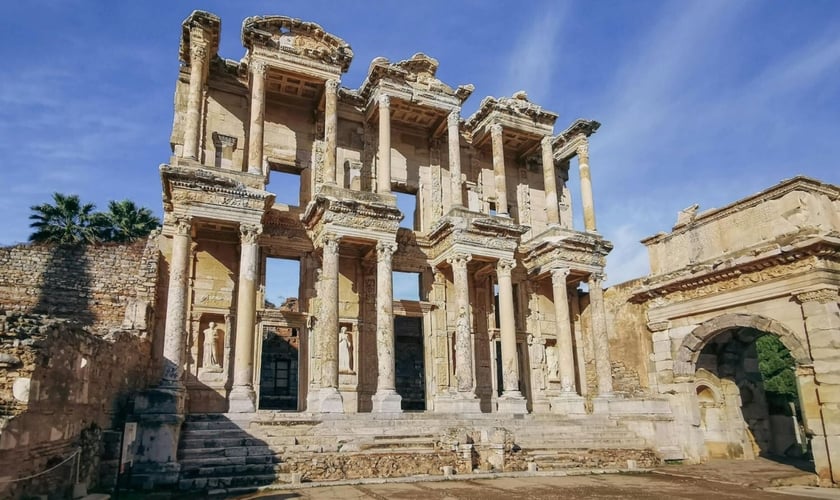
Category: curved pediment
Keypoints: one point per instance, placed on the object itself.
(295, 37)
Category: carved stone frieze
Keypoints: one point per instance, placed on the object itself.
(821, 295)
(718, 281)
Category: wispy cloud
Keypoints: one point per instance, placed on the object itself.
(533, 57)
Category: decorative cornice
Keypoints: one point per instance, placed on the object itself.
(708, 279)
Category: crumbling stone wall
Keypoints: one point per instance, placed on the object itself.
(61, 390)
(92, 284)
(630, 340)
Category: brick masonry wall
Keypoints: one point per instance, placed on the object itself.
(92, 285)
(61, 390)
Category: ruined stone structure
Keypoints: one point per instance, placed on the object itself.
(514, 356)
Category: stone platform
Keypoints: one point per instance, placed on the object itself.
(237, 450)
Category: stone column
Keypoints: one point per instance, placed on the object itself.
(175, 333)
(552, 213)
(586, 186)
(198, 61)
(600, 336)
(330, 129)
(565, 349)
(383, 174)
(330, 398)
(499, 170)
(452, 122)
(463, 331)
(255, 132)
(386, 398)
(511, 400)
(819, 393)
(242, 396)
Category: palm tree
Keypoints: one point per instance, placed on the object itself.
(67, 222)
(129, 223)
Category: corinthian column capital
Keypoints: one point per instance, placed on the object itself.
(249, 233)
(183, 225)
(258, 68)
(198, 52)
(384, 101)
(505, 266)
(454, 117)
(385, 250)
(496, 130)
(332, 85)
(582, 148)
(459, 259)
(558, 276)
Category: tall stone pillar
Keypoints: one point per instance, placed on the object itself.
(452, 122)
(586, 186)
(330, 129)
(383, 174)
(330, 398)
(386, 398)
(600, 336)
(198, 63)
(819, 393)
(552, 212)
(565, 349)
(511, 400)
(499, 170)
(255, 132)
(242, 396)
(175, 333)
(465, 383)
(568, 401)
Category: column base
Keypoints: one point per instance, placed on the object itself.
(540, 405)
(458, 402)
(242, 399)
(601, 403)
(568, 404)
(387, 402)
(511, 402)
(329, 401)
(159, 413)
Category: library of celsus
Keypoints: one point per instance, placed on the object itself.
(510, 355)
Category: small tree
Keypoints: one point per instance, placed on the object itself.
(67, 222)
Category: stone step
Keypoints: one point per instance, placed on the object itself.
(212, 425)
(203, 483)
(216, 434)
(204, 442)
(627, 443)
(231, 451)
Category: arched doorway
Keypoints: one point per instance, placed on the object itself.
(744, 373)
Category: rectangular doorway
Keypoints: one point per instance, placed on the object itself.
(279, 369)
(409, 352)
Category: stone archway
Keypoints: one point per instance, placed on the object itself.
(689, 350)
(720, 354)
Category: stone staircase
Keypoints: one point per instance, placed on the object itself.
(223, 451)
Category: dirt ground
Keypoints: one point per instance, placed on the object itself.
(719, 480)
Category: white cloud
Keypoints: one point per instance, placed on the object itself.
(533, 57)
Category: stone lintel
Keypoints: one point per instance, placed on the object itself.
(515, 113)
(584, 253)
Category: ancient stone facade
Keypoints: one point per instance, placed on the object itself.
(514, 356)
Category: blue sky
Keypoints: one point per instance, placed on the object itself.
(701, 101)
